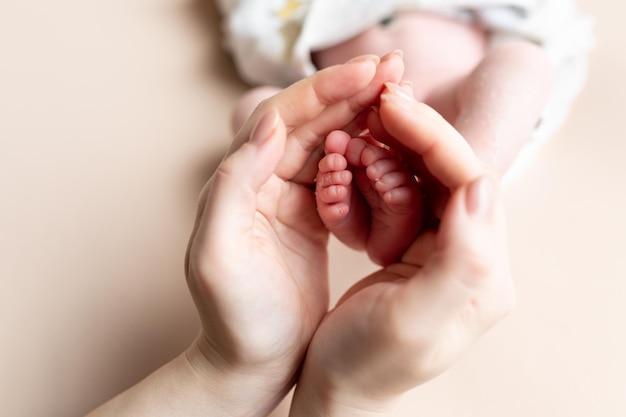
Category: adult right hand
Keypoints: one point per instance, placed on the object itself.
(408, 322)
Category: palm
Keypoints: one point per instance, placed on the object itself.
(357, 342)
(357, 339)
(293, 245)
(408, 322)
(278, 273)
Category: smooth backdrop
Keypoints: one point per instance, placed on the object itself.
(113, 113)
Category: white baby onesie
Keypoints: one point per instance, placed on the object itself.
(271, 40)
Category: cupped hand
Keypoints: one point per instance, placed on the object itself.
(257, 259)
(408, 322)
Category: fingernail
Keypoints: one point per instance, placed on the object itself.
(365, 58)
(397, 52)
(407, 84)
(399, 97)
(265, 127)
(481, 195)
(400, 91)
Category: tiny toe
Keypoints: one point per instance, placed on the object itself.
(354, 151)
(332, 162)
(333, 178)
(332, 194)
(382, 167)
(400, 196)
(392, 180)
(372, 153)
(334, 214)
(337, 142)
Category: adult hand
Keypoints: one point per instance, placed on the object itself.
(407, 322)
(257, 258)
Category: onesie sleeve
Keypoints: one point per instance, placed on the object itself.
(260, 35)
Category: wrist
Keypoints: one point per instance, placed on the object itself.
(316, 396)
(191, 386)
(235, 390)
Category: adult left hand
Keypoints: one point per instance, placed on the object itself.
(257, 258)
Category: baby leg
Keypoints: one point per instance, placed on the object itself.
(501, 101)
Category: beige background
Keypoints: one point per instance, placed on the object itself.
(112, 115)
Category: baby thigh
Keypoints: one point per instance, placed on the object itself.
(502, 100)
(438, 51)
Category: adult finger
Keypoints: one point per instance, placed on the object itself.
(326, 101)
(466, 281)
(464, 287)
(427, 137)
(229, 209)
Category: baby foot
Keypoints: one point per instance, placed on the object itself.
(368, 198)
(395, 202)
(343, 211)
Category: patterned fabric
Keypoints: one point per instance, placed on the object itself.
(271, 40)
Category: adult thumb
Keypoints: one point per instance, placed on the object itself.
(472, 245)
(232, 200)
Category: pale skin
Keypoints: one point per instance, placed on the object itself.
(493, 95)
(257, 257)
(257, 265)
(367, 198)
(409, 321)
